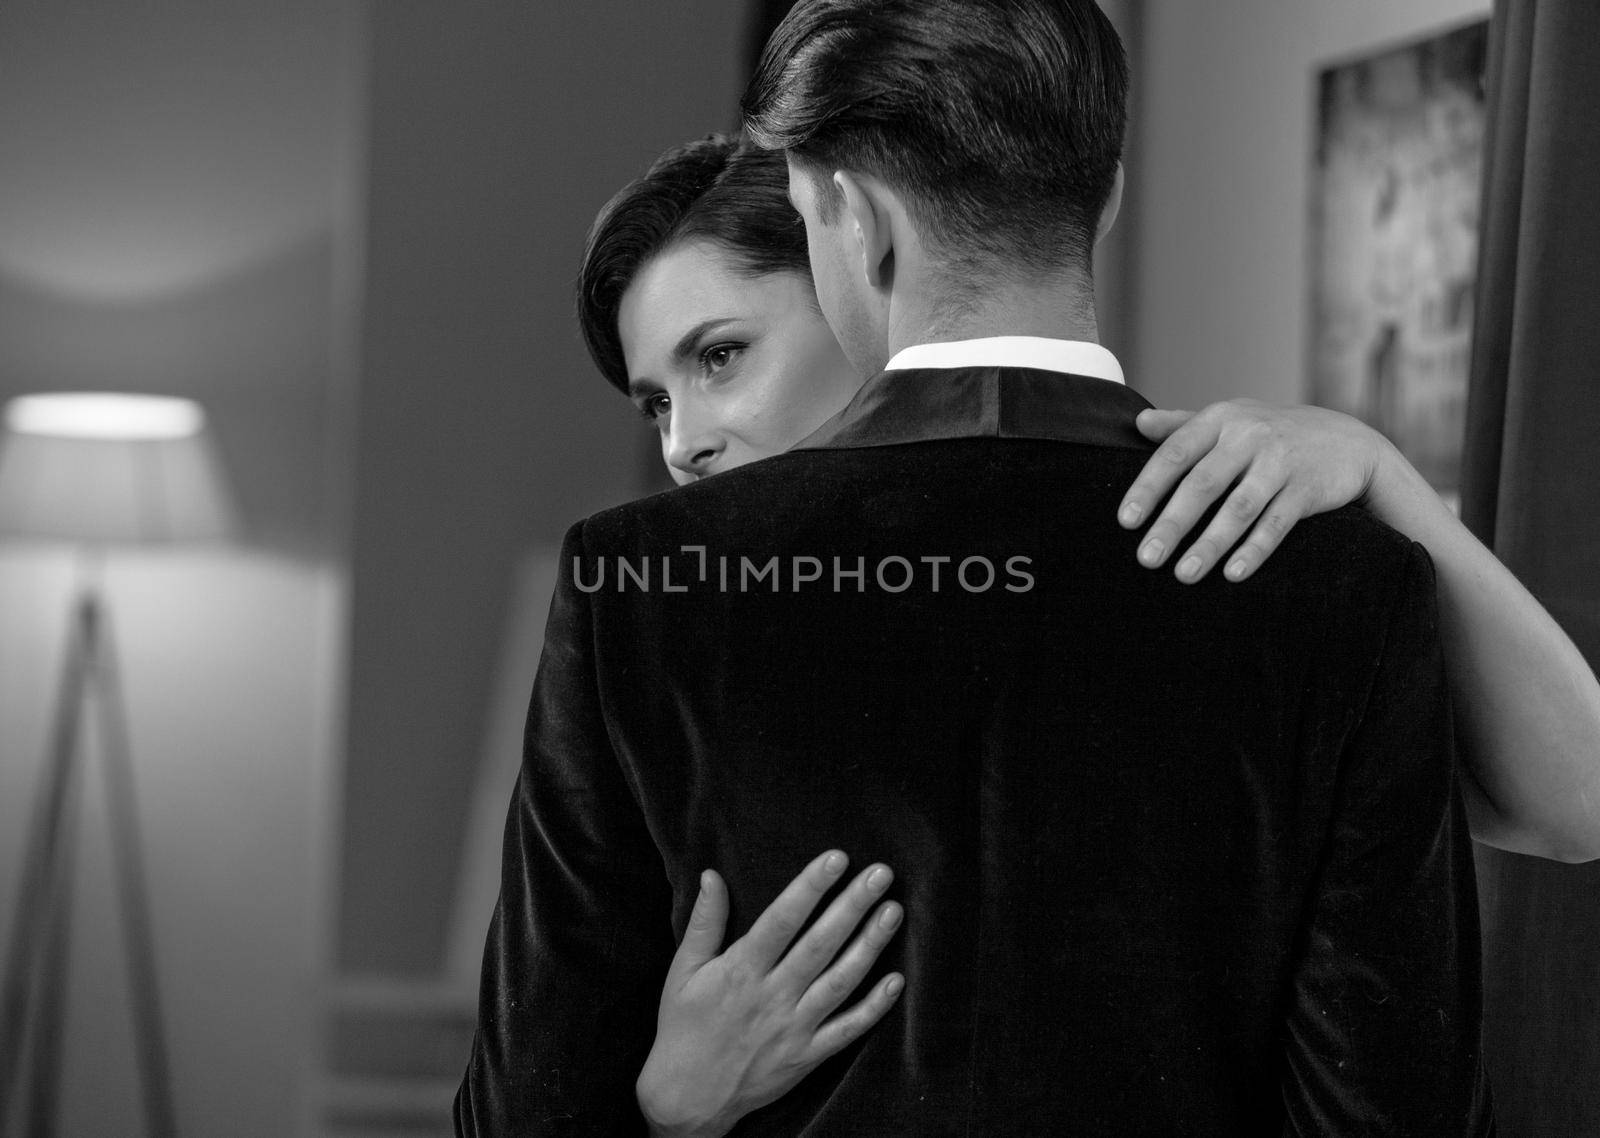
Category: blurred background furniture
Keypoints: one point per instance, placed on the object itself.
(96, 471)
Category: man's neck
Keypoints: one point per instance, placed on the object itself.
(1061, 313)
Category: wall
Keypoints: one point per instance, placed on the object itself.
(496, 135)
(1225, 118)
(175, 217)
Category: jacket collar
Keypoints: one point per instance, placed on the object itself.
(989, 396)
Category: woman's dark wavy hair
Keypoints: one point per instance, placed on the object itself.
(719, 188)
(1000, 121)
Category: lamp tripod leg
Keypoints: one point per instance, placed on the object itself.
(43, 886)
(50, 1021)
(35, 980)
(138, 940)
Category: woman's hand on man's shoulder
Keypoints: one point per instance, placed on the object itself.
(1269, 466)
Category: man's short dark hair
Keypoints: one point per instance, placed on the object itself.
(720, 189)
(999, 121)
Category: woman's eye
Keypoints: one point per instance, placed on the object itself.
(655, 406)
(718, 356)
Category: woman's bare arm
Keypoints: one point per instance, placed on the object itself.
(1527, 705)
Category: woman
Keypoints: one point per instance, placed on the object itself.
(695, 299)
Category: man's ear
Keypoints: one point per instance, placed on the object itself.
(867, 211)
(1108, 215)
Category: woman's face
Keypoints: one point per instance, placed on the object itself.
(729, 366)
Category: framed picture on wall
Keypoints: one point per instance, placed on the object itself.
(1394, 241)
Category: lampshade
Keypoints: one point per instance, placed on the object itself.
(104, 468)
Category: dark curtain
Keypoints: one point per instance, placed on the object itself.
(1531, 491)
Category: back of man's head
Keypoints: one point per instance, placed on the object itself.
(1000, 122)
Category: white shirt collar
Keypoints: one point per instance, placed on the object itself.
(1075, 357)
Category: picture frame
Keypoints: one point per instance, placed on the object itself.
(1395, 201)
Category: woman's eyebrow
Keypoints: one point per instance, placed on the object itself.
(681, 351)
(685, 346)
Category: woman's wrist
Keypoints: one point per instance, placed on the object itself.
(685, 1129)
(667, 1117)
(1399, 496)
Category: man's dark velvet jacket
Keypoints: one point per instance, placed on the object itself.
(1174, 859)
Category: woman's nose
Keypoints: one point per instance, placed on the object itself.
(693, 450)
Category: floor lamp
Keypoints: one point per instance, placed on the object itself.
(97, 471)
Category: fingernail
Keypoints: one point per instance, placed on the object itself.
(890, 917)
(1131, 513)
(1152, 551)
(1190, 568)
(879, 878)
(894, 985)
(834, 862)
(1236, 570)
(705, 880)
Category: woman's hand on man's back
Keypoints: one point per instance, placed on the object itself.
(738, 1028)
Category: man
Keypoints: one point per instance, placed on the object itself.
(1173, 859)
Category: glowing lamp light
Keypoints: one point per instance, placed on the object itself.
(105, 415)
(98, 468)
